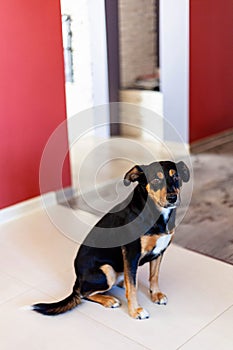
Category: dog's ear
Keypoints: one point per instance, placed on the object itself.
(134, 174)
(183, 171)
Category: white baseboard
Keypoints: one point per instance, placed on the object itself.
(27, 207)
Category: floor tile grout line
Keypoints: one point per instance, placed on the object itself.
(31, 288)
(116, 331)
(30, 284)
(101, 323)
(16, 296)
(203, 328)
(84, 314)
(9, 275)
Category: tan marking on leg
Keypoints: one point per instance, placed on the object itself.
(110, 274)
(156, 295)
(154, 274)
(148, 243)
(134, 309)
(105, 300)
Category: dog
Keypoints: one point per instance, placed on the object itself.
(137, 231)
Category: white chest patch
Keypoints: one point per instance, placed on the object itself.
(162, 243)
(166, 213)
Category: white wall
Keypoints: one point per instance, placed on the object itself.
(174, 51)
(96, 11)
(79, 95)
(90, 87)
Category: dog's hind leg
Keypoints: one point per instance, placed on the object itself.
(105, 300)
(99, 282)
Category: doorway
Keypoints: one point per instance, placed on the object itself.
(92, 63)
(85, 55)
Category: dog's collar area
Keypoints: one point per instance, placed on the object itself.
(166, 214)
(169, 206)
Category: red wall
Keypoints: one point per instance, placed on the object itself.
(31, 92)
(211, 67)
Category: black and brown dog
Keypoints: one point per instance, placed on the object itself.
(136, 231)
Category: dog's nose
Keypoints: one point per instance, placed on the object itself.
(171, 198)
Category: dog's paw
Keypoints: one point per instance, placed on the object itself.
(112, 302)
(159, 298)
(139, 314)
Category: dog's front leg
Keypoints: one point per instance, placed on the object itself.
(156, 295)
(130, 278)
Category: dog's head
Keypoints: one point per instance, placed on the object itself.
(162, 180)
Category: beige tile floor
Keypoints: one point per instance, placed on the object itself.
(36, 265)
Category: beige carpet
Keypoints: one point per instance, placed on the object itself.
(208, 225)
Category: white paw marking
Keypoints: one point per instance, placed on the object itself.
(143, 315)
(116, 304)
(162, 301)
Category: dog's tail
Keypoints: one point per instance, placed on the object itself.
(59, 307)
